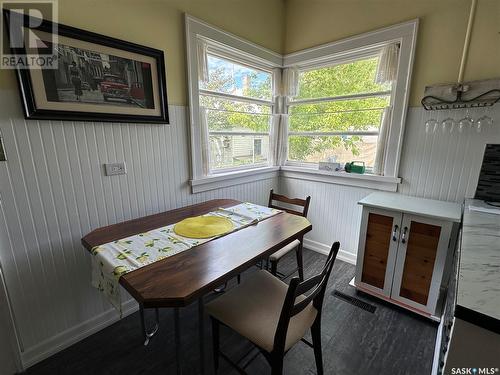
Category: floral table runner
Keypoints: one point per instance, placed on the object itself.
(114, 259)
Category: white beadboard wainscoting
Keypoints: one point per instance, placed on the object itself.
(54, 191)
(441, 165)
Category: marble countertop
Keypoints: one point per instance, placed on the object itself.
(479, 272)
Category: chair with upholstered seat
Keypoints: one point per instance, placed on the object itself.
(295, 245)
(273, 315)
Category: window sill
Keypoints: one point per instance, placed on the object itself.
(222, 180)
(369, 181)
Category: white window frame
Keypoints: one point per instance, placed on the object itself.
(355, 48)
(355, 56)
(242, 52)
(404, 33)
(228, 55)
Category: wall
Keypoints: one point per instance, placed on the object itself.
(440, 37)
(437, 165)
(52, 188)
(54, 191)
(8, 358)
(442, 166)
(160, 24)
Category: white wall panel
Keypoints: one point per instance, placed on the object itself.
(444, 165)
(8, 347)
(441, 165)
(53, 191)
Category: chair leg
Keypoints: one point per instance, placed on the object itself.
(277, 365)
(300, 266)
(316, 338)
(215, 343)
(274, 267)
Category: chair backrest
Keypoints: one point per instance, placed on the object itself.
(316, 287)
(303, 203)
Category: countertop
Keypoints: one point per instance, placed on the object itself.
(478, 295)
(419, 206)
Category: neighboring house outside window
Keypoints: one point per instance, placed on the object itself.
(238, 104)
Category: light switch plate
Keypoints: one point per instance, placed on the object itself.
(113, 169)
(2, 151)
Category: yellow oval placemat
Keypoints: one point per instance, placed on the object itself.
(203, 226)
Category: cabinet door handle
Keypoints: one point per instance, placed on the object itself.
(395, 233)
(403, 237)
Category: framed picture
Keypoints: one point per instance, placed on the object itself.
(94, 78)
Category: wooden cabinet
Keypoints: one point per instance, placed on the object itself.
(422, 251)
(403, 249)
(375, 266)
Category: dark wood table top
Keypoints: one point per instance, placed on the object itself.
(182, 278)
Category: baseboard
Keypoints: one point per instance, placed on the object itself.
(325, 249)
(74, 334)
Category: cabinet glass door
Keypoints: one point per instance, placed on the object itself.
(379, 238)
(420, 261)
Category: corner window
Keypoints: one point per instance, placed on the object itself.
(253, 112)
(337, 113)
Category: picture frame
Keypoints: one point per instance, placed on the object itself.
(98, 78)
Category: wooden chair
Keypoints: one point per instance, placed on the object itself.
(297, 244)
(273, 315)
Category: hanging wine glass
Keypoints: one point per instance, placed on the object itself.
(460, 126)
(448, 123)
(483, 122)
(465, 122)
(489, 116)
(431, 124)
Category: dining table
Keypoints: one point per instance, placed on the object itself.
(179, 280)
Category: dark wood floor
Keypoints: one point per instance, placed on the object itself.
(355, 341)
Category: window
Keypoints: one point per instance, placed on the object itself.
(337, 113)
(257, 147)
(237, 100)
(254, 112)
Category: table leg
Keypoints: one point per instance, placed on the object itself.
(177, 341)
(148, 335)
(201, 322)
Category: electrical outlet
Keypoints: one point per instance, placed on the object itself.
(2, 151)
(113, 169)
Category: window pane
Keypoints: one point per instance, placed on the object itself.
(343, 148)
(346, 115)
(232, 115)
(343, 79)
(237, 121)
(211, 102)
(231, 78)
(236, 150)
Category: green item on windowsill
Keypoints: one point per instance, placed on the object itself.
(355, 167)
